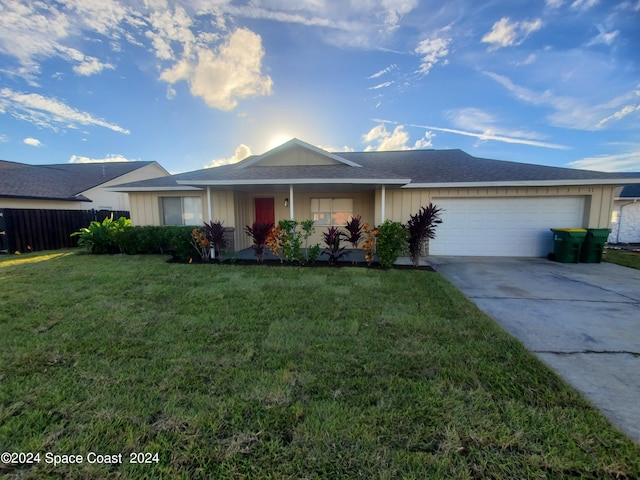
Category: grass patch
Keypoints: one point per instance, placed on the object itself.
(622, 257)
(268, 372)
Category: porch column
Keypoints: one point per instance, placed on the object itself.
(383, 200)
(291, 202)
(209, 202)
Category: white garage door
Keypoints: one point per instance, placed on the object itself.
(510, 227)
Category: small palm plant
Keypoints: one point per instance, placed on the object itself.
(259, 232)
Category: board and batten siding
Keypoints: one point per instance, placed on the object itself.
(401, 203)
(145, 206)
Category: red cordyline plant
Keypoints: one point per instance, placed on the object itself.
(215, 234)
(259, 232)
(420, 227)
(354, 231)
(332, 239)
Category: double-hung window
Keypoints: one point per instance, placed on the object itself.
(181, 210)
(331, 211)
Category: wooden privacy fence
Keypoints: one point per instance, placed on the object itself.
(24, 230)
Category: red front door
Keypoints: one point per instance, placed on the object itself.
(265, 211)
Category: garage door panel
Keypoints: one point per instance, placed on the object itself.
(503, 226)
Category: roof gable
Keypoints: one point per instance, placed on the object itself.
(295, 153)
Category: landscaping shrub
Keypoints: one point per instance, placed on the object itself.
(390, 242)
(105, 236)
(173, 240)
(286, 240)
(369, 245)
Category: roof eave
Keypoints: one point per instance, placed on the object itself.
(49, 199)
(178, 188)
(526, 183)
(298, 181)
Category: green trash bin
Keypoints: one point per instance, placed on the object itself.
(593, 246)
(567, 244)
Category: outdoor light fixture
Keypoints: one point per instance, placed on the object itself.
(286, 202)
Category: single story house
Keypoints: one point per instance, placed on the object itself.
(71, 186)
(490, 207)
(625, 220)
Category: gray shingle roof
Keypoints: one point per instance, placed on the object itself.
(59, 181)
(456, 166)
(410, 168)
(630, 191)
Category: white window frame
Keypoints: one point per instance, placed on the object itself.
(190, 211)
(331, 212)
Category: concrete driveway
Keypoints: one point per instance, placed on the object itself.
(582, 320)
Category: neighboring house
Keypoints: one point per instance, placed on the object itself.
(625, 220)
(491, 207)
(71, 186)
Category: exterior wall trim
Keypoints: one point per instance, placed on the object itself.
(298, 181)
(529, 183)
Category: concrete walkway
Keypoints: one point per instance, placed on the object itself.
(582, 320)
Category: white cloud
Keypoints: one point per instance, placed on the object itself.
(4, 138)
(224, 76)
(623, 112)
(384, 71)
(361, 24)
(109, 158)
(621, 162)
(476, 120)
(574, 112)
(584, 4)
(433, 50)
(48, 112)
(34, 142)
(482, 136)
(604, 37)
(396, 140)
(242, 152)
(554, 3)
(505, 33)
(86, 65)
(170, 27)
(31, 32)
(381, 85)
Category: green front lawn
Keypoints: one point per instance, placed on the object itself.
(621, 257)
(285, 373)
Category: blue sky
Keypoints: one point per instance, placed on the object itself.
(199, 83)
